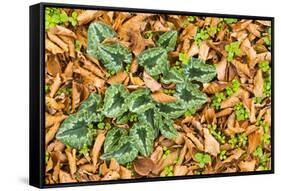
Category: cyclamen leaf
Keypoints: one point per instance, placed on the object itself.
(197, 70)
(74, 132)
(114, 101)
(89, 109)
(172, 110)
(154, 60)
(97, 32)
(173, 76)
(191, 94)
(112, 138)
(124, 152)
(153, 118)
(168, 40)
(167, 129)
(139, 101)
(124, 118)
(143, 135)
(113, 56)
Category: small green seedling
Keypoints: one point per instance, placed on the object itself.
(202, 159)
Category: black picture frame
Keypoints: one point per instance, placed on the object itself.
(37, 93)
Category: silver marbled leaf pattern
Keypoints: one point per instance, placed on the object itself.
(124, 152)
(153, 118)
(97, 32)
(114, 56)
(173, 76)
(139, 101)
(168, 40)
(143, 135)
(115, 101)
(173, 110)
(74, 130)
(154, 60)
(197, 70)
(112, 138)
(191, 94)
(167, 128)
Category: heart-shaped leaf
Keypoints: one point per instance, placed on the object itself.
(154, 60)
(114, 101)
(139, 101)
(173, 76)
(124, 152)
(90, 109)
(112, 138)
(153, 118)
(143, 135)
(167, 129)
(97, 32)
(168, 40)
(191, 94)
(113, 56)
(172, 110)
(199, 71)
(74, 132)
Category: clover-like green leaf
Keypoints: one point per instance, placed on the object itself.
(139, 101)
(191, 94)
(97, 32)
(199, 71)
(112, 138)
(143, 135)
(173, 110)
(89, 110)
(173, 76)
(113, 56)
(167, 128)
(124, 152)
(154, 60)
(153, 118)
(168, 40)
(74, 132)
(114, 101)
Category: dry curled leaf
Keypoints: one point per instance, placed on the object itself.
(118, 78)
(143, 166)
(149, 82)
(161, 97)
(210, 143)
(97, 148)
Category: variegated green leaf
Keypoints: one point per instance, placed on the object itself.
(90, 109)
(139, 101)
(191, 94)
(113, 56)
(114, 101)
(124, 152)
(112, 138)
(167, 129)
(143, 135)
(154, 60)
(97, 32)
(173, 110)
(168, 40)
(124, 118)
(74, 132)
(197, 70)
(173, 76)
(153, 118)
